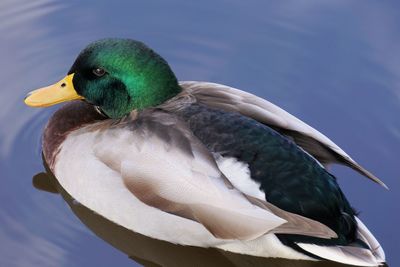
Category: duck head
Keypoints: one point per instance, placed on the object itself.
(116, 75)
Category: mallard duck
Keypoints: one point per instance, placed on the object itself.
(197, 163)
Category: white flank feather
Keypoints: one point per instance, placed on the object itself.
(238, 174)
(100, 187)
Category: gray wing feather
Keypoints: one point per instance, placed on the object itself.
(311, 140)
(365, 235)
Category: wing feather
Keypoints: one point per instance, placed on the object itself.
(311, 140)
(365, 235)
(344, 254)
(186, 181)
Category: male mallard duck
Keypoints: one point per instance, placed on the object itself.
(197, 163)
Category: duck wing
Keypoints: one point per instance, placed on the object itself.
(165, 166)
(305, 136)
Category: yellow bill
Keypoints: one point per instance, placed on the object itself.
(59, 92)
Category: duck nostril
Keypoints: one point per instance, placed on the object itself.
(63, 85)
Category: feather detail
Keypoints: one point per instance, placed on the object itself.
(366, 236)
(343, 254)
(311, 140)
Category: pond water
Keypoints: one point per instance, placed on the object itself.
(334, 64)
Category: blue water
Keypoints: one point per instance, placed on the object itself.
(334, 64)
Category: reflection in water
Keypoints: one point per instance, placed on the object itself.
(152, 252)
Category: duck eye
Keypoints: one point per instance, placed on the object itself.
(99, 72)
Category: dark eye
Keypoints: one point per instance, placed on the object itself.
(99, 72)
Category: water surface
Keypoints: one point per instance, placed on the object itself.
(335, 64)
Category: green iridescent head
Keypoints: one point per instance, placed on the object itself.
(116, 75)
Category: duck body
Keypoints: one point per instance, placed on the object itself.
(281, 172)
(211, 166)
(287, 177)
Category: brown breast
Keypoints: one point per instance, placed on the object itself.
(69, 117)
